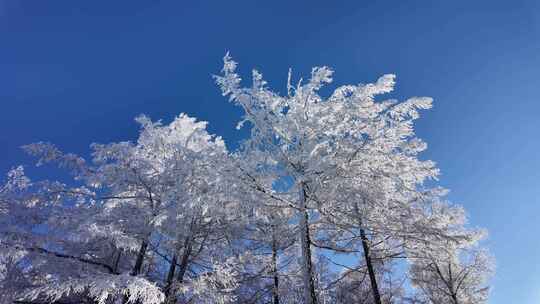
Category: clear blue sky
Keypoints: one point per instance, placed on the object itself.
(77, 72)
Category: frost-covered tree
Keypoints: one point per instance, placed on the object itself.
(163, 188)
(13, 208)
(198, 204)
(457, 277)
(321, 204)
(455, 270)
(346, 152)
(43, 249)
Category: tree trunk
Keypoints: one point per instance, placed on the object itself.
(169, 296)
(275, 288)
(310, 295)
(372, 278)
(170, 275)
(367, 256)
(188, 247)
(451, 284)
(140, 258)
(117, 261)
(138, 265)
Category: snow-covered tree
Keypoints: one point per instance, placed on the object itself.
(165, 187)
(174, 217)
(343, 144)
(454, 270)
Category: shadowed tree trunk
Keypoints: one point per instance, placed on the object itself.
(138, 264)
(170, 274)
(451, 284)
(371, 271)
(310, 295)
(117, 261)
(275, 287)
(367, 257)
(181, 269)
(140, 258)
(188, 248)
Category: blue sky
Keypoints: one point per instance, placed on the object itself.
(77, 72)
